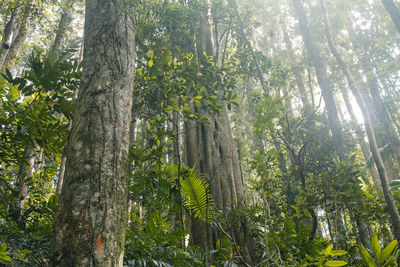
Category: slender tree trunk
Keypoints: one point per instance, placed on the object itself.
(65, 21)
(7, 35)
(327, 92)
(16, 45)
(296, 71)
(360, 136)
(92, 214)
(381, 121)
(393, 11)
(61, 174)
(25, 172)
(393, 212)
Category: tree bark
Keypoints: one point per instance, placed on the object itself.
(16, 45)
(393, 11)
(7, 34)
(393, 212)
(209, 147)
(92, 214)
(25, 172)
(65, 21)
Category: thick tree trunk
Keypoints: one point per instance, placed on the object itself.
(393, 212)
(393, 11)
(210, 148)
(92, 213)
(65, 21)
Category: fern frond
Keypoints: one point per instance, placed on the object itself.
(196, 196)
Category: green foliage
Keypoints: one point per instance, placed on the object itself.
(5, 256)
(324, 260)
(37, 106)
(380, 256)
(153, 243)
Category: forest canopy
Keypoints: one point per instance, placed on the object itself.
(199, 133)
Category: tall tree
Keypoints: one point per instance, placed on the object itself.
(327, 94)
(385, 131)
(18, 40)
(326, 89)
(210, 148)
(65, 21)
(368, 127)
(7, 34)
(91, 218)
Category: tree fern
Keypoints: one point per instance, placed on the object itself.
(196, 196)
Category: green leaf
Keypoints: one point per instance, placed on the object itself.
(336, 263)
(367, 257)
(376, 247)
(387, 251)
(395, 184)
(24, 251)
(337, 252)
(14, 92)
(328, 250)
(150, 63)
(5, 258)
(3, 247)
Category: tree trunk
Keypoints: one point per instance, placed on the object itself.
(383, 125)
(360, 136)
(210, 148)
(65, 21)
(393, 212)
(92, 214)
(296, 71)
(7, 35)
(393, 11)
(25, 172)
(16, 45)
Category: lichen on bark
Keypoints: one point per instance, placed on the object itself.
(91, 218)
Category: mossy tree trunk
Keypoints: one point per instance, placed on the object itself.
(210, 148)
(92, 214)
